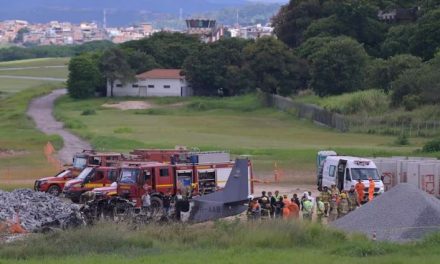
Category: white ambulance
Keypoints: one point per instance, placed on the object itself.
(345, 171)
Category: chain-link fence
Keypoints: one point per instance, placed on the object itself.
(308, 111)
(371, 125)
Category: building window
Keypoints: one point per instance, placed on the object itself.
(164, 173)
(167, 86)
(119, 85)
(150, 86)
(135, 85)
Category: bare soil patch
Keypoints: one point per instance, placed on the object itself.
(130, 105)
(6, 153)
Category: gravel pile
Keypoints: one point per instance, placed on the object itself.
(37, 210)
(403, 213)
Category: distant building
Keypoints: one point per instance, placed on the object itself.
(253, 32)
(398, 14)
(154, 83)
(206, 29)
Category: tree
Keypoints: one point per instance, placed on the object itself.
(294, 18)
(275, 68)
(338, 67)
(83, 78)
(114, 66)
(418, 85)
(140, 61)
(380, 73)
(168, 49)
(397, 40)
(356, 19)
(209, 70)
(19, 38)
(426, 40)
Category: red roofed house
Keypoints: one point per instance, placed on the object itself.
(157, 82)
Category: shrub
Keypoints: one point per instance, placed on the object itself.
(402, 140)
(74, 124)
(88, 112)
(432, 146)
(123, 130)
(410, 102)
(369, 101)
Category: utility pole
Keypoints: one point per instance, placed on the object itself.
(104, 19)
(237, 19)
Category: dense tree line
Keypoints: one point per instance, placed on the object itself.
(33, 52)
(330, 46)
(349, 48)
(228, 67)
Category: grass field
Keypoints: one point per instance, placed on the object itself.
(17, 134)
(238, 124)
(221, 242)
(21, 145)
(61, 72)
(39, 72)
(9, 87)
(35, 62)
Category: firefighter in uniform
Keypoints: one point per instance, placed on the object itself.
(352, 198)
(333, 214)
(343, 206)
(264, 202)
(320, 210)
(334, 190)
(325, 198)
(254, 210)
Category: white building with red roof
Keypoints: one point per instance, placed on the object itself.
(153, 83)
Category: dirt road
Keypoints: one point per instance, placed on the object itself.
(40, 110)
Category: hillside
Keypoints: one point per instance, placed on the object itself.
(118, 12)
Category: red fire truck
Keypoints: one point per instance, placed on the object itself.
(55, 184)
(89, 179)
(161, 178)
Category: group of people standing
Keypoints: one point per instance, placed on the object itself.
(331, 203)
(281, 206)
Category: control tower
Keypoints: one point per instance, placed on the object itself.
(200, 26)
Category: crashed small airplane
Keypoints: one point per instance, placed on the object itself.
(226, 202)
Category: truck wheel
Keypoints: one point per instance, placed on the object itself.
(54, 190)
(156, 204)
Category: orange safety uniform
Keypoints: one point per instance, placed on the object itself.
(286, 211)
(294, 210)
(371, 190)
(360, 190)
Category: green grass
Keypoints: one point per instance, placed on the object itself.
(17, 132)
(240, 125)
(370, 112)
(369, 101)
(222, 242)
(39, 72)
(35, 62)
(9, 87)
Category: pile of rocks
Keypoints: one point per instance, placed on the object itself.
(37, 210)
(403, 213)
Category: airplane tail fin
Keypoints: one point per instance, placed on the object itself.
(237, 187)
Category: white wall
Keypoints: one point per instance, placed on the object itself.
(151, 87)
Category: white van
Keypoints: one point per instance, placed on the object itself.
(345, 171)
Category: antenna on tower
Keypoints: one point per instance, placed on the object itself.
(104, 19)
(237, 18)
